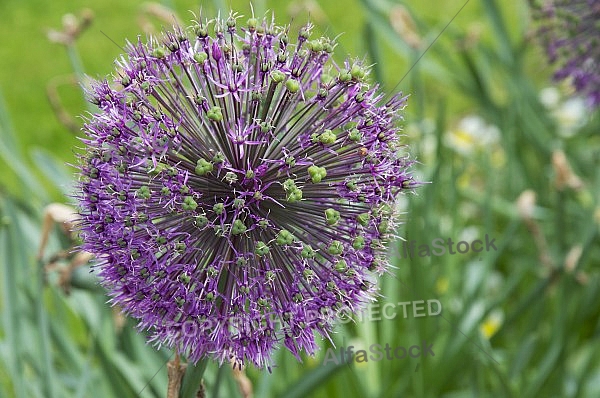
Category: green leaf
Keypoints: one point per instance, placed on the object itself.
(11, 264)
(11, 156)
(312, 380)
(192, 379)
(54, 171)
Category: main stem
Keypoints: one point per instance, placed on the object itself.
(175, 372)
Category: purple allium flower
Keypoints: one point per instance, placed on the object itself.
(571, 34)
(238, 190)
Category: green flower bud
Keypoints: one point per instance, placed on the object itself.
(125, 81)
(262, 302)
(284, 237)
(203, 167)
(290, 161)
(269, 276)
(307, 252)
(277, 76)
(308, 273)
(335, 248)
(200, 221)
(219, 208)
(218, 158)
(200, 31)
(383, 226)
(327, 137)
(363, 219)
(230, 22)
(294, 195)
(317, 173)
(143, 192)
(158, 53)
(199, 99)
(304, 32)
(326, 79)
(292, 85)
(200, 57)
(358, 243)
(289, 185)
(231, 177)
(189, 204)
(265, 127)
(341, 266)
(261, 248)
(135, 254)
(357, 72)
(238, 227)
(332, 216)
(355, 135)
(214, 114)
(315, 45)
(345, 77)
(239, 203)
(352, 185)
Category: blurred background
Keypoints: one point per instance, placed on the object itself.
(507, 152)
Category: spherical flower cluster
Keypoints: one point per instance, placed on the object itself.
(238, 189)
(570, 30)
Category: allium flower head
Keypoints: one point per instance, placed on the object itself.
(571, 33)
(238, 189)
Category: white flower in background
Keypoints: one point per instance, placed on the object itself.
(570, 114)
(469, 234)
(472, 133)
(550, 97)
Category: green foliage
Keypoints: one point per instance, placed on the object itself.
(522, 321)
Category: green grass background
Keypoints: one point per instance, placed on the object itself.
(513, 323)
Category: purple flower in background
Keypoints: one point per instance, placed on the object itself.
(571, 33)
(238, 190)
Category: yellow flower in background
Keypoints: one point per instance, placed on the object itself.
(441, 285)
(491, 324)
